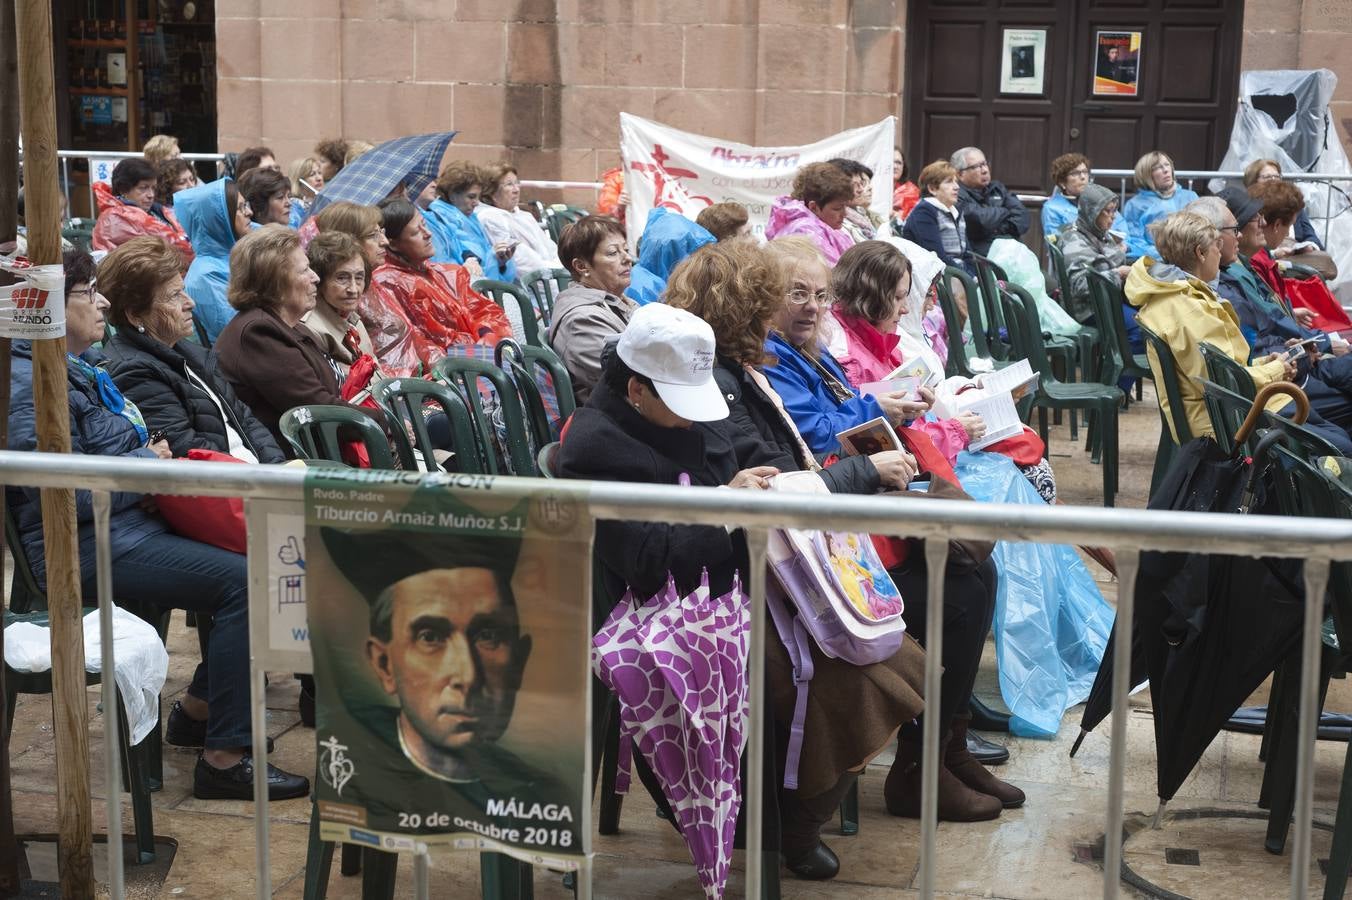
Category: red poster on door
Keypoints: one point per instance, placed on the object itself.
(1117, 63)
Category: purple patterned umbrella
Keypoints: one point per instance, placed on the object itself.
(678, 666)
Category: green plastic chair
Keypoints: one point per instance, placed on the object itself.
(1025, 330)
(313, 432)
(1107, 298)
(1167, 389)
(509, 356)
(142, 764)
(1303, 440)
(404, 400)
(559, 217)
(464, 373)
(957, 350)
(1226, 372)
(1090, 335)
(544, 288)
(500, 292)
(1227, 411)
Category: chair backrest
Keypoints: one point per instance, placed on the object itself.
(1309, 443)
(957, 350)
(1227, 411)
(313, 431)
(558, 218)
(406, 400)
(1064, 295)
(978, 314)
(988, 277)
(504, 292)
(465, 374)
(1167, 370)
(1025, 331)
(1226, 372)
(544, 287)
(1106, 299)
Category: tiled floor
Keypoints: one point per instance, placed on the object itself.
(1045, 850)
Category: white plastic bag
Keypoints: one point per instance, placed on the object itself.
(142, 663)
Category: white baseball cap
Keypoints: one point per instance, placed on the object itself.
(675, 349)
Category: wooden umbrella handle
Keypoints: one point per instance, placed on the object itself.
(1260, 402)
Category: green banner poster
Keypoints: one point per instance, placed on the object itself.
(450, 629)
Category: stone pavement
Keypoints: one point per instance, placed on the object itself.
(1044, 850)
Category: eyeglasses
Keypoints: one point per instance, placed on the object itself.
(1078, 173)
(981, 165)
(86, 292)
(799, 296)
(372, 235)
(1233, 229)
(244, 208)
(1270, 176)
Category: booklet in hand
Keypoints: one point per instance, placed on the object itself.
(874, 436)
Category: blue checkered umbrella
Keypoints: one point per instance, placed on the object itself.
(413, 160)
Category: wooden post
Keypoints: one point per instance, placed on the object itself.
(9, 847)
(42, 215)
(9, 125)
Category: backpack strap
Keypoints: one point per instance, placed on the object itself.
(798, 643)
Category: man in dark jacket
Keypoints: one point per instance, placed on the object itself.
(991, 209)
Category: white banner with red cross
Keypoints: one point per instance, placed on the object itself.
(686, 172)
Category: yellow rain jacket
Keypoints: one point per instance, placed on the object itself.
(1185, 312)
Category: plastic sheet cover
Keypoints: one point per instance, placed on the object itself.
(1051, 622)
(1020, 264)
(1283, 115)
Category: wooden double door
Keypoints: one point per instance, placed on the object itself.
(1028, 80)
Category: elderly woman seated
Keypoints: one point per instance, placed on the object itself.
(1174, 299)
(936, 224)
(174, 175)
(593, 309)
(343, 275)
(1157, 195)
(816, 208)
(307, 180)
(128, 209)
(435, 297)
(177, 385)
(215, 215)
(272, 360)
(269, 194)
(457, 234)
(1089, 244)
(1070, 175)
(726, 221)
(506, 223)
(148, 562)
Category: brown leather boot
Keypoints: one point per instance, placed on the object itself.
(957, 801)
(801, 820)
(963, 765)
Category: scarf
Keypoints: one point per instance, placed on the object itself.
(110, 396)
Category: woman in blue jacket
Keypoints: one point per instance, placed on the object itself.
(148, 562)
(457, 235)
(1157, 195)
(214, 215)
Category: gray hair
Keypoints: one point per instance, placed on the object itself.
(959, 158)
(1213, 209)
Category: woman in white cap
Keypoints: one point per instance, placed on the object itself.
(644, 422)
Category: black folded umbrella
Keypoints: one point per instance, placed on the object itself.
(1208, 628)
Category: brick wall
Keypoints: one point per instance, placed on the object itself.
(547, 79)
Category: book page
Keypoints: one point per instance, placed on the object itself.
(874, 436)
(1000, 416)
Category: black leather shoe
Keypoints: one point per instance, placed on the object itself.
(817, 864)
(986, 719)
(182, 730)
(988, 753)
(236, 782)
(306, 705)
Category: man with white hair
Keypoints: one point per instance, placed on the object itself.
(991, 209)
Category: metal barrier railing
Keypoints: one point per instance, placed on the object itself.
(1128, 532)
(65, 156)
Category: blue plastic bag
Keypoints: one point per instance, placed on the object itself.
(1051, 621)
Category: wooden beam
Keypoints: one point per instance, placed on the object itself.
(42, 215)
(9, 125)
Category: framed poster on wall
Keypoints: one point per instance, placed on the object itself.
(1023, 61)
(1117, 63)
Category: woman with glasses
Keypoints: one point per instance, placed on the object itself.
(1157, 196)
(214, 215)
(343, 275)
(1070, 175)
(936, 224)
(1090, 244)
(508, 224)
(1262, 171)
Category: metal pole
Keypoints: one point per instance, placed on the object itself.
(1328, 211)
(1316, 580)
(258, 688)
(1128, 561)
(70, 714)
(756, 541)
(9, 847)
(421, 875)
(936, 564)
(112, 721)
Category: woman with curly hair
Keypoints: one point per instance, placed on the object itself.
(457, 234)
(816, 208)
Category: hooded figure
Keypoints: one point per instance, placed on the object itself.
(457, 237)
(667, 239)
(790, 216)
(1087, 247)
(207, 218)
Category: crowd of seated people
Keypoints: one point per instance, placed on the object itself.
(227, 314)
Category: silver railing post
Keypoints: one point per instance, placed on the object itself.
(258, 688)
(421, 873)
(1128, 561)
(936, 565)
(756, 541)
(1316, 580)
(1328, 210)
(112, 721)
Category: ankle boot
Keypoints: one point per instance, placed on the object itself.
(959, 760)
(957, 801)
(801, 822)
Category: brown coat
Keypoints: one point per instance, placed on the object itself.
(274, 367)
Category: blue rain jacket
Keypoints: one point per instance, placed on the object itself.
(203, 214)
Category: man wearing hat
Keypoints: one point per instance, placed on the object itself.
(1268, 322)
(445, 643)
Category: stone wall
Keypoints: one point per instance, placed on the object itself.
(542, 82)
